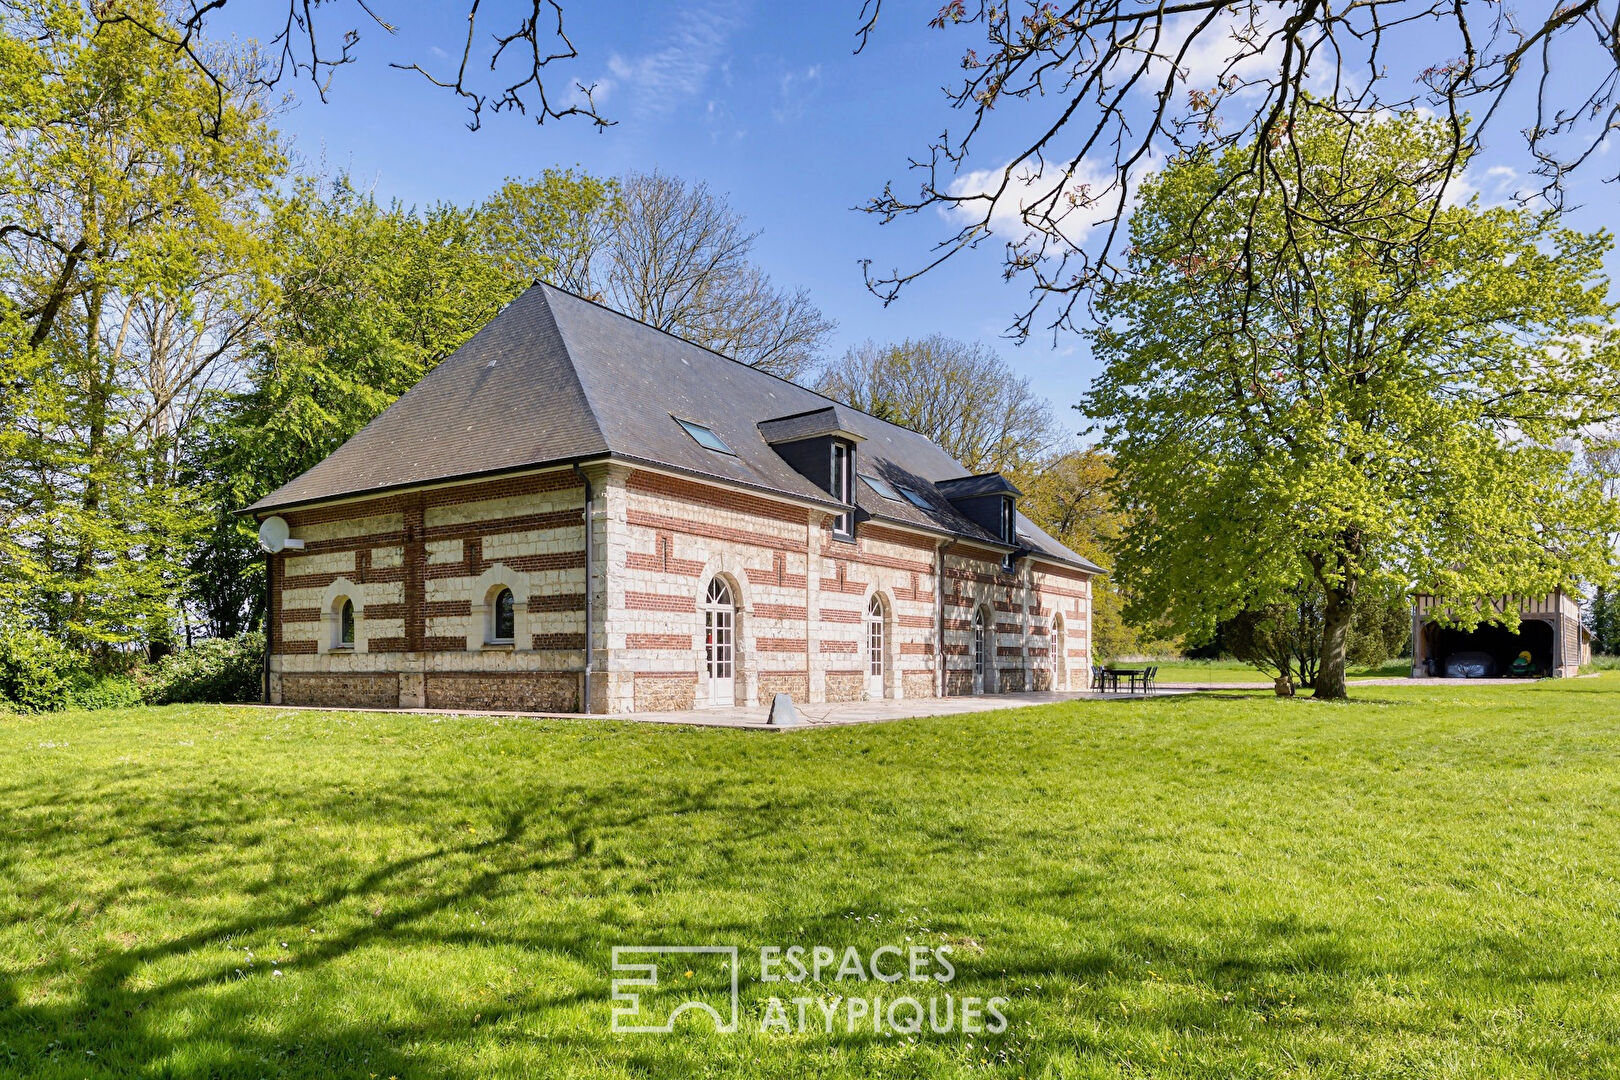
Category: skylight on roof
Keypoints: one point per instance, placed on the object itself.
(705, 437)
(916, 499)
(881, 486)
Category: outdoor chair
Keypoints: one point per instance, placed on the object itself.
(1099, 679)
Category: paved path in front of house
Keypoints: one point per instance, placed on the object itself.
(753, 717)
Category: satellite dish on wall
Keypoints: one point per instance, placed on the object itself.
(275, 535)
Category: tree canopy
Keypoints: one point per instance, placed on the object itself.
(1290, 401)
(958, 393)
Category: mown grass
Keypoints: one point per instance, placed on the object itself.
(1234, 671)
(1419, 883)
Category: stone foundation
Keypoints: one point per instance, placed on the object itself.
(367, 691)
(665, 693)
(538, 691)
(845, 686)
(795, 685)
(917, 684)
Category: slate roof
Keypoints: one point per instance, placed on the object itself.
(556, 378)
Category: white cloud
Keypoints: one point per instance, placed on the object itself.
(1086, 200)
(659, 81)
(795, 89)
(1497, 185)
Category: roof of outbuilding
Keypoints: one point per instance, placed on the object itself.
(556, 378)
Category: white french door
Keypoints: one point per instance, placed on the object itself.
(1060, 657)
(720, 643)
(874, 649)
(979, 659)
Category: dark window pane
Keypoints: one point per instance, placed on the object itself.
(505, 616)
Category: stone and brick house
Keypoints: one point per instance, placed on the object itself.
(578, 512)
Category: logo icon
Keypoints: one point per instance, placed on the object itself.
(695, 978)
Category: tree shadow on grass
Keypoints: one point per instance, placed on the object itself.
(121, 1004)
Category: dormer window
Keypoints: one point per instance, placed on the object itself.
(1007, 531)
(843, 488)
(705, 437)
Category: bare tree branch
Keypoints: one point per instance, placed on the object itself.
(1115, 88)
(301, 47)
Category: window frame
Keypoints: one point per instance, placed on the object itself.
(841, 467)
(915, 498)
(699, 432)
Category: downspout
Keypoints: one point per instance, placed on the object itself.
(269, 617)
(939, 614)
(590, 563)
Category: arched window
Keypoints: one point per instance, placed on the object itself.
(346, 625)
(720, 642)
(502, 618)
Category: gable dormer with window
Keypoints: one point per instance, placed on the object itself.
(990, 501)
(820, 446)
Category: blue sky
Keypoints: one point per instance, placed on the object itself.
(764, 101)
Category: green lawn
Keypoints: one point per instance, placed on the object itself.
(1420, 883)
(1232, 671)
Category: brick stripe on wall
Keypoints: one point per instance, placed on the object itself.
(705, 495)
(646, 601)
(773, 578)
(649, 520)
(780, 611)
(557, 602)
(639, 560)
(558, 642)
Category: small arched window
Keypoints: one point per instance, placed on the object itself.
(346, 624)
(503, 618)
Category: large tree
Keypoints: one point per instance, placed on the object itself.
(132, 274)
(1290, 401)
(372, 296)
(1068, 106)
(1069, 493)
(673, 254)
(958, 393)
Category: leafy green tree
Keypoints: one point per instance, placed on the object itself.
(133, 273)
(371, 298)
(1290, 402)
(1068, 493)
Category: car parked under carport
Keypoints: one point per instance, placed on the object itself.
(1549, 630)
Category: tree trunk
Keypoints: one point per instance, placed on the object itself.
(1336, 613)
